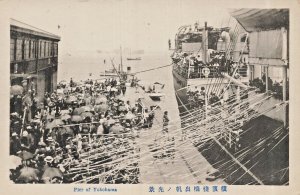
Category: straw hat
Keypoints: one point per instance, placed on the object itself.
(41, 143)
(50, 139)
(69, 138)
(48, 159)
(14, 114)
(25, 133)
(37, 117)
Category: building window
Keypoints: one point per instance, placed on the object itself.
(26, 49)
(36, 49)
(32, 49)
(55, 49)
(29, 51)
(12, 49)
(40, 43)
(19, 50)
(49, 48)
(44, 49)
(23, 49)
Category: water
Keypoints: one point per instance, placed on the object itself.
(81, 65)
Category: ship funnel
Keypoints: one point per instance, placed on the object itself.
(128, 70)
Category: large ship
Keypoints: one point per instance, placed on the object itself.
(203, 56)
(224, 80)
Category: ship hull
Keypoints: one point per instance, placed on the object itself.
(180, 87)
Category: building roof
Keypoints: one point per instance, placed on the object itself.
(261, 19)
(26, 28)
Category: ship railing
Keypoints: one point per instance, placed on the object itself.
(215, 72)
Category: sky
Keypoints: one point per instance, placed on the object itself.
(105, 25)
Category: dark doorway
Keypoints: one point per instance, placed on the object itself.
(48, 80)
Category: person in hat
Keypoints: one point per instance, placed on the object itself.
(166, 121)
(56, 180)
(106, 127)
(146, 118)
(16, 123)
(33, 135)
(19, 105)
(15, 114)
(27, 141)
(102, 118)
(100, 129)
(50, 141)
(49, 162)
(15, 144)
(40, 151)
(151, 116)
(58, 157)
(128, 106)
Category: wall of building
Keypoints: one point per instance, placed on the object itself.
(34, 55)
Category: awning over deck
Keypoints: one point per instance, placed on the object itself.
(261, 19)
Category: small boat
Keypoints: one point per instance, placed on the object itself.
(138, 58)
(156, 95)
(108, 74)
(133, 58)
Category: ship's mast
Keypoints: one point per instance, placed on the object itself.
(121, 64)
(205, 43)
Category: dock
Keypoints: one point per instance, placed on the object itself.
(186, 165)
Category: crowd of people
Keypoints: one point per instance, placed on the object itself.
(76, 119)
(191, 65)
(196, 98)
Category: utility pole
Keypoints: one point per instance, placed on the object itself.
(121, 65)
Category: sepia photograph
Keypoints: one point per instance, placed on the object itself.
(148, 92)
